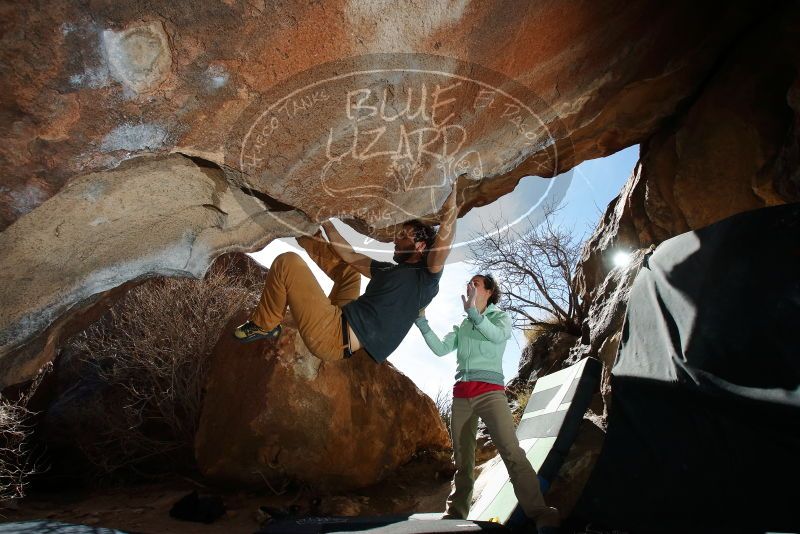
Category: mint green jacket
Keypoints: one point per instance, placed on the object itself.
(480, 340)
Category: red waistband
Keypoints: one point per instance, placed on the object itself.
(467, 390)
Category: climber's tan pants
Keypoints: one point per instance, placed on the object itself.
(492, 408)
(318, 316)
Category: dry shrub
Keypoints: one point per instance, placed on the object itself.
(444, 405)
(152, 351)
(17, 462)
(518, 404)
(545, 325)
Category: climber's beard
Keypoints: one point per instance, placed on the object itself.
(402, 255)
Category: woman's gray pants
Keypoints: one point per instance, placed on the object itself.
(492, 408)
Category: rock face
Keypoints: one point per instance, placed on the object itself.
(87, 86)
(268, 100)
(542, 355)
(568, 486)
(160, 216)
(603, 326)
(733, 149)
(273, 413)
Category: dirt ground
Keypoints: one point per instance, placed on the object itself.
(144, 508)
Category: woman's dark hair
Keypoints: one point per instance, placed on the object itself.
(422, 232)
(491, 284)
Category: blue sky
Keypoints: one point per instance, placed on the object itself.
(589, 189)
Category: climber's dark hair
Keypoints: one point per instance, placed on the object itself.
(422, 233)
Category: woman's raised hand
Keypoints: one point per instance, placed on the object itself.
(472, 295)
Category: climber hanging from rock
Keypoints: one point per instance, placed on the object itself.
(336, 325)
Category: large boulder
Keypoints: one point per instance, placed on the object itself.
(163, 215)
(275, 414)
(89, 85)
(734, 149)
(123, 81)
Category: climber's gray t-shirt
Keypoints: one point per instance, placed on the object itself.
(383, 315)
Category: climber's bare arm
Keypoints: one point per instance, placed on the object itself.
(444, 237)
(359, 262)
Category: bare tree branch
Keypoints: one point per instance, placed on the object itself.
(537, 270)
(17, 461)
